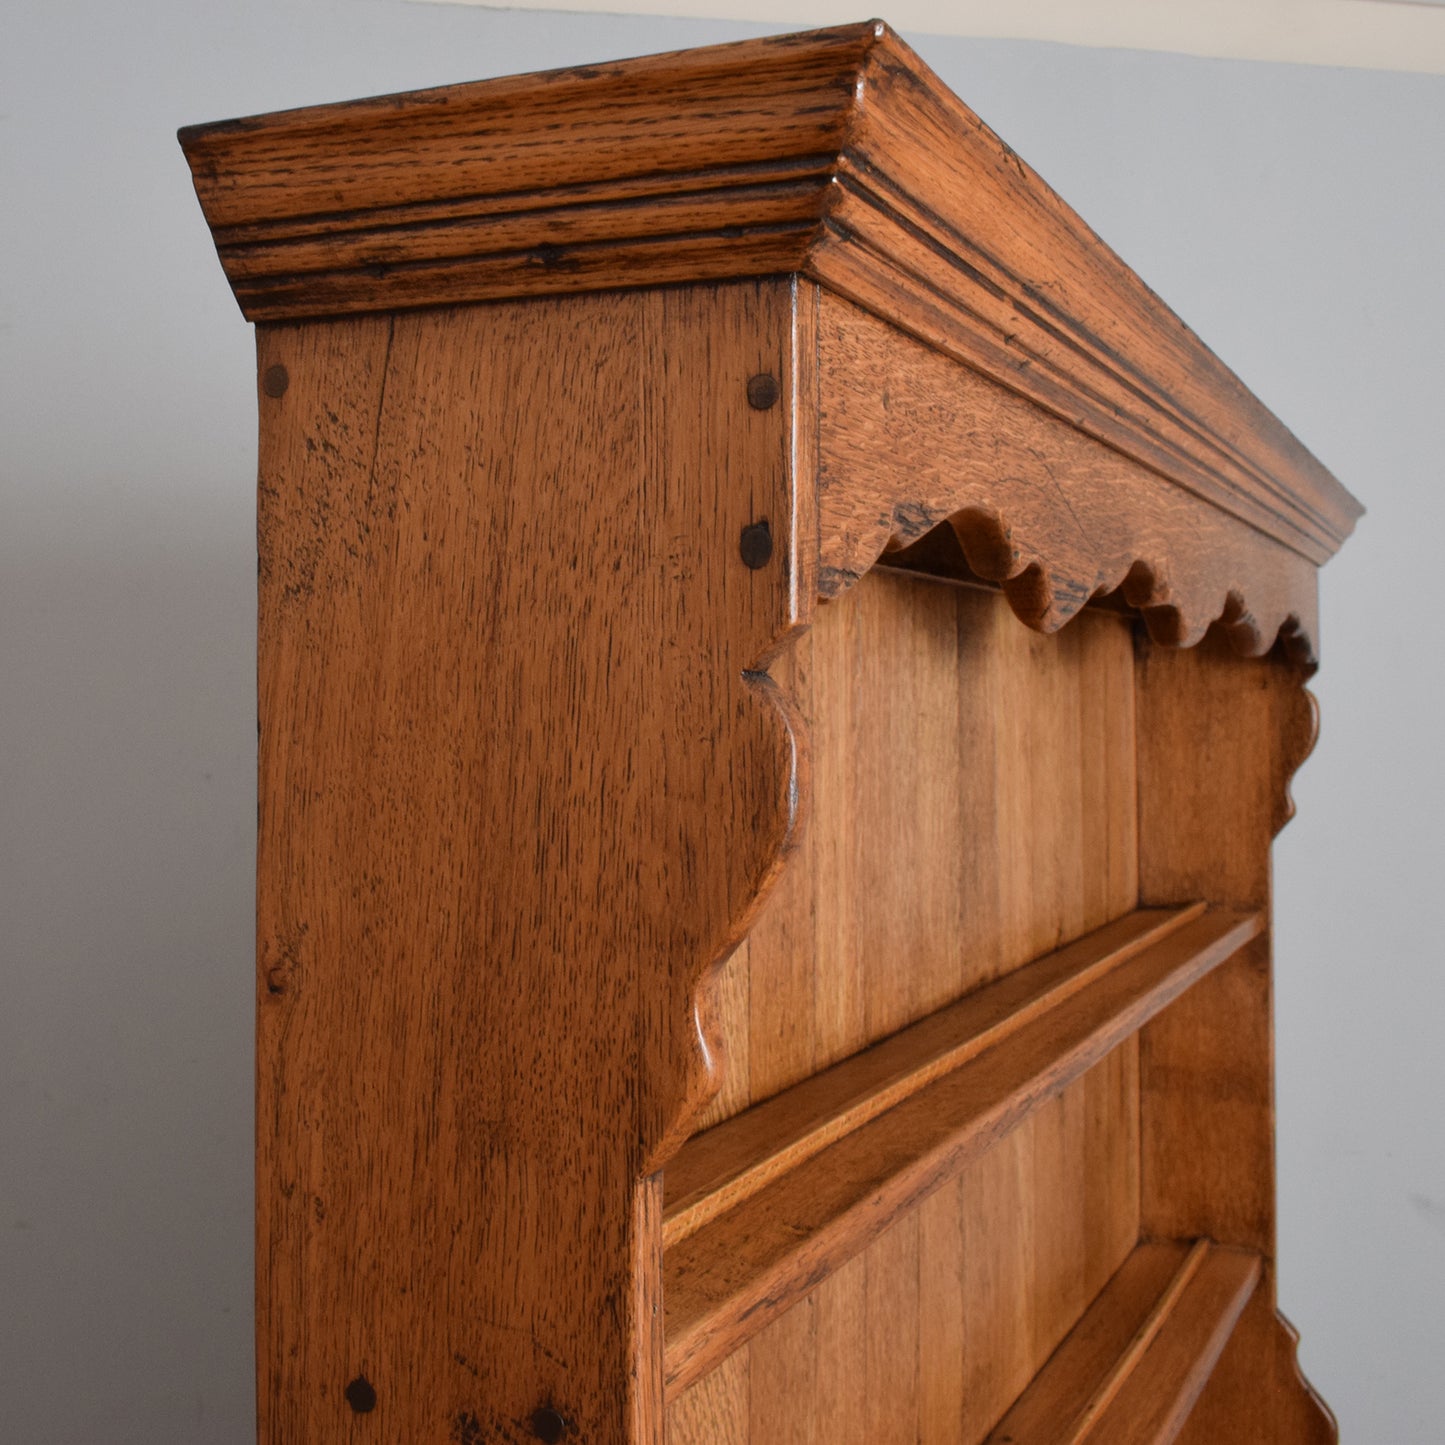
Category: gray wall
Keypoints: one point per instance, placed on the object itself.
(1296, 217)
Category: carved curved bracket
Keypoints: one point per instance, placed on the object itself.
(699, 1074)
(1299, 731)
(1316, 1421)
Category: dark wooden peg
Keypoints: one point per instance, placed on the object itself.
(763, 391)
(756, 544)
(549, 1425)
(275, 381)
(361, 1395)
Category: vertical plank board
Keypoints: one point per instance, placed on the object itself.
(941, 1338)
(782, 1364)
(999, 1327)
(1040, 794)
(716, 1410)
(983, 736)
(1060, 1188)
(891, 1304)
(914, 654)
(841, 1343)
(1108, 773)
(1110, 1137)
(842, 697)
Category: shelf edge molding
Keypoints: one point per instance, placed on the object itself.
(836, 155)
(829, 1173)
(719, 1168)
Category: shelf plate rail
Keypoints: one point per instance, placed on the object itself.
(1130, 1371)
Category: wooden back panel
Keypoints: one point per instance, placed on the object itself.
(982, 796)
(974, 807)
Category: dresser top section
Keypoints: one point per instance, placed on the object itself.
(837, 156)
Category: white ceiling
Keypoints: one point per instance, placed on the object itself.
(1406, 35)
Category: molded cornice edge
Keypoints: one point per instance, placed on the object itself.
(837, 155)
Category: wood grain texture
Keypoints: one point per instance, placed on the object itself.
(509, 816)
(1130, 1372)
(718, 1169)
(1049, 1215)
(1219, 740)
(717, 1409)
(973, 807)
(540, 545)
(837, 155)
(911, 439)
(981, 1279)
(757, 1257)
(1256, 1393)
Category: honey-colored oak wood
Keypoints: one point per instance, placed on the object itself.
(780, 664)
(718, 1169)
(977, 779)
(911, 441)
(837, 155)
(763, 1245)
(1130, 1371)
(972, 807)
(1217, 752)
(456, 1160)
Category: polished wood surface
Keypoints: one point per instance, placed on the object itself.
(972, 805)
(837, 155)
(734, 1160)
(475, 1008)
(911, 440)
(1132, 1368)
(761, 1250)
(892, 1346)
(1216, 756)
(781, 662)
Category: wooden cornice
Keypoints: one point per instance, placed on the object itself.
(836, 155)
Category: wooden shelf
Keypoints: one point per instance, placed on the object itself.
(762, 1208)
(1131, 1369)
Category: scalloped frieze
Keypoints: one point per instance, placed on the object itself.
(910, 440)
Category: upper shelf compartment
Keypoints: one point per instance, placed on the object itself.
(762, 1208)
(836, 155)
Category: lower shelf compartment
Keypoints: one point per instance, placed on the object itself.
(761, 1209)
(1130, 1371)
